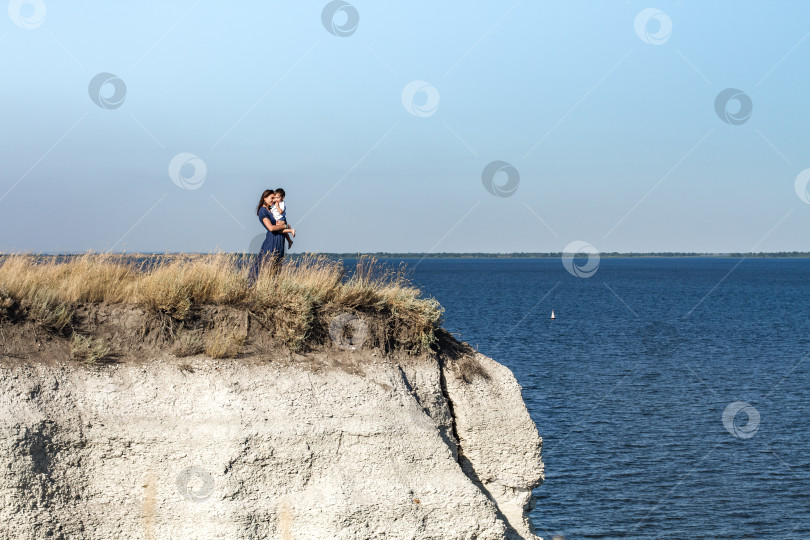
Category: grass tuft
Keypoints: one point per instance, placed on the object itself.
(87, 349)
(48, 310)
(7, 305)
(188, 343)
(224, 343)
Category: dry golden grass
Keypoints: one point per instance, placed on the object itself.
(293, 302)
(172, 286)
(224, 343)
(188, 343)
(87, 349)
(6, 305)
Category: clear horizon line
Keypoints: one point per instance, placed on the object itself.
(524, 254)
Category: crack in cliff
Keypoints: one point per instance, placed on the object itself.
(466, 465)
(452, 440)
(408, 385)
(454, 430)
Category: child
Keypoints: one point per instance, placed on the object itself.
(279, 210)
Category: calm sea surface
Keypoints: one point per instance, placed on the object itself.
(628, 387)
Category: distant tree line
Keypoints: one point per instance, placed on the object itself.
(554, 255)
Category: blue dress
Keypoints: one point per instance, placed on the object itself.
(272, 248)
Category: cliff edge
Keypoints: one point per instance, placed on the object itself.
(330, 443)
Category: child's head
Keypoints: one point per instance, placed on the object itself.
(280, 194)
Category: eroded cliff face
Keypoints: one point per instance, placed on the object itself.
(338, 444)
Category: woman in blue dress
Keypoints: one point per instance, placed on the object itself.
(272, 250)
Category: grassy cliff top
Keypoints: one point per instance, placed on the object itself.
(294, 303)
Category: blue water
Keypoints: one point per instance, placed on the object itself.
(628, 389)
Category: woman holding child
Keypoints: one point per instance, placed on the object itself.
(272, 215)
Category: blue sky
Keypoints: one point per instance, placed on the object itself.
(616, 139)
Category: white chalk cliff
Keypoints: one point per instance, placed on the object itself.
(335, 444)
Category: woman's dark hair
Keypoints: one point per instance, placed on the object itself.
(265, 193)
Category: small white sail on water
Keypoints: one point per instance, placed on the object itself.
(552, 314)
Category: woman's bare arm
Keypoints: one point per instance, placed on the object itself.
(271, 227)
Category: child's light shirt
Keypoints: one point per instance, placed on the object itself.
(279, 211)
